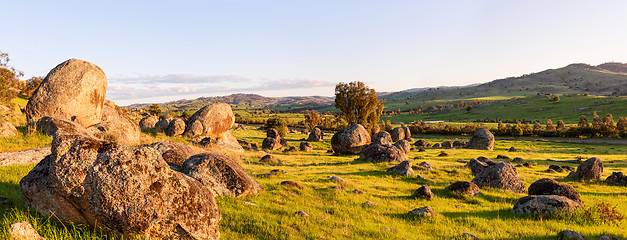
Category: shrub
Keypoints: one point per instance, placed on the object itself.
(277, 123)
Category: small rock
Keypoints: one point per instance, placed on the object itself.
(330, 151)
(421, 150)
(368, 204)
(335, 179)
(420, 177)
(291, 184)
(424, 211)
(427, 167)
(527, 164)
(512, 149)
(517, 160)
(357, 191)
(272, 160)
(306, 146)
(550, 171)
(464, 188)
(617, 178)
(302, 214)
(501, 157)
(569, 235)
(443, 154)
(606, 237)
(556, 168)
(424, 192)
(469, 236)
(437, 145)
(23, 230)
(249, 203)
(403, 168)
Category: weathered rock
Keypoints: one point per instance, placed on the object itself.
(176, 128)
(426, 166)
(512, 149)
(503, 176)
(24, 157)
(421, 150)
(436, 145)
(483, 139)
(7, 129)
(617, 178)
(397, 134)
(271, 144)
(424, 192)
(469, 236)
(568, 168)
(350, 140)
(335, 179)
(569, 235)
(273, 133)
(302, 214)
(127, 189)
(50, 126)
(404, 146)
(382, 138)
(543, 204)
(502, 157)
(547, 186)
(407, 133)
(162, 124)
(477, 166)
(550, 171)
(590, 169)
(284, 142)
(517, 160)
(383, 153)
(422, 143)
(73, 91)
(148, 122)
(606, 237)
(464, 188)
(291, 184)
(459, 144)
(116, 126)
(306, 146)
(403, 168)
(443, 154)
(221, 174)
(272, 160)
(316, 135)
(212, 120)
(556, 168)
(447, 144)
(290, 149)
(172, 152)
(226, 142)
(357, 191)
(424, 212)
(24, 231)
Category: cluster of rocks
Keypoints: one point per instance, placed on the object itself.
(400, 133)
(209, 127)
(547, 196)
(72, 98)
(316, 135)
(132, 189)
(382, 149)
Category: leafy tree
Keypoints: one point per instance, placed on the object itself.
(154, 110)
(312, 119)
(549, 126)
(583, 122)
(622, 124)
(556, 99)
(277, 123)
(561, 126)
(358, 103)
(30, 86)
(537, 128)
(9, 80)
(596, 121)
(608, 128)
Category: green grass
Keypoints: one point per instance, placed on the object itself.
(338, 214)
(569, 109)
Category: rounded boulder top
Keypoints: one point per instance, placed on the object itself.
(74, 90)
(212, 120)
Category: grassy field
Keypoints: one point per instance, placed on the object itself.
(568, 109)
(339, 214)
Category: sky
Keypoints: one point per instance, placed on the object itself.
(159, 51)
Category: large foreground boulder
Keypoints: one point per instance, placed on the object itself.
(221, 175)
(547, 186)
(74, 91)
(591, 169)
(502, 175)
(7, 129)
(544, 204)
(350, 140)
(116, 126)
(128, 189)
(211, 120)
(483, 139)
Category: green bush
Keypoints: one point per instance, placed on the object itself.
(277, 123)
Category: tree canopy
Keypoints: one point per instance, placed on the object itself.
(358, 103)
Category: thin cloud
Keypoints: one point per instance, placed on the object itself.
(185, 84)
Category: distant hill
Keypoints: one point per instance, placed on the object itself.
(247, 100)
(604, 80)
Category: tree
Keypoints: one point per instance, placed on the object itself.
(596, 121)
(277, 123)
(154, 110)
(358, 103)
(556, 99)
(583, 122)
(30, 86)
(312, 119)
(549, 126)
(608, 128)
(9, 80)
(468, 109)
(561, 126)
(622, 124)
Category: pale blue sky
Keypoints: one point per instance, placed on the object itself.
(157, 51)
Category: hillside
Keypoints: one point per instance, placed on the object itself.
(247, 100)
